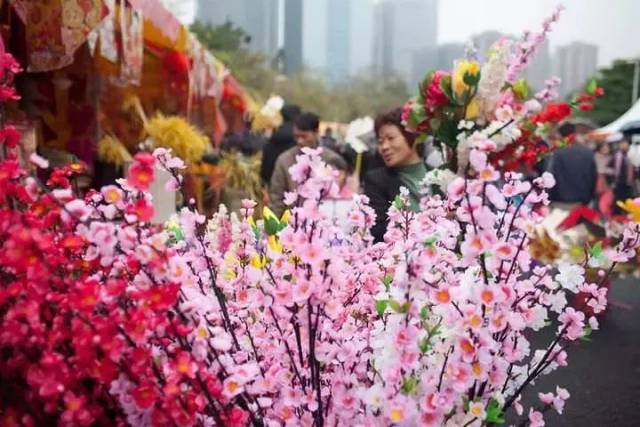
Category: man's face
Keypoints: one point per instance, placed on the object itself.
(305, 138)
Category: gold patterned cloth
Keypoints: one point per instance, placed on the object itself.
(55, 29)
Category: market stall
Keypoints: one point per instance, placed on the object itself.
(97, 72)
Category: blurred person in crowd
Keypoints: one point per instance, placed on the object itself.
(623, 175)
(574, 168)
(306, 132)
(403, 166)
(281, 140)
(328, 140)
(602, 157)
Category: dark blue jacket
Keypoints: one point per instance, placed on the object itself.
(574, 169)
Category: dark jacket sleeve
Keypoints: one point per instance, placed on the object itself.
(378, 200)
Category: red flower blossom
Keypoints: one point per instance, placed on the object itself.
(142, 209)
(9, 136)
(433, 94)
(141, 172)
(144, 396)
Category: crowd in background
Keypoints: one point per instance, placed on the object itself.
(596, 175)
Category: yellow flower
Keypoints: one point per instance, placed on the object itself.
(259, 261)
(274, 244)
(632, 206)
(251, 222)
(463, 67)
(268, 213)
(230, 274)
(285, 217)
(473, 110)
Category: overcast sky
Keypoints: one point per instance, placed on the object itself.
(614, 25)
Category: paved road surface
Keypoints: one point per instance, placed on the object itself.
(603, 376)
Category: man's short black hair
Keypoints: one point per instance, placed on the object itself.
(290, 112)
(566, 129)
(307, 122)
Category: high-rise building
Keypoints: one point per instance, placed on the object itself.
(293, 15)
(539, 69)
(482, 42)
(258, 18)
(404, 28)
(448, 53)
(360, 51)
(536, 72)
(338, 40)
(575, 63)
(315, 35)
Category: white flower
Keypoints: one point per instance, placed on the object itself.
(504, 114)
(570, 276)
(439, 178)
(465, 124)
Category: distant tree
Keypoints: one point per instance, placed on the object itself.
(617, 82)
(360, 96)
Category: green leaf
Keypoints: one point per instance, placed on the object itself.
(434, 124)
(409, 384)
(271, 226)
(416, 116)
(445, 86)
(381, 306)
(400, 308)
(596, 250)
(586, 337)
(424, 345)
(431, 241)
(494, 413)
(592, 85)
(471, 79)
(424, 313)
(420, 139)
(521, 90)
(448, 132)
(397, 202)
(386, 280)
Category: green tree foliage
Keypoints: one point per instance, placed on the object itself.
(362, 95)
(617, 82)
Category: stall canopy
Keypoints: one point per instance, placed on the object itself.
(614, 130)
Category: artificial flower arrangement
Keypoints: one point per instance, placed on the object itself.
(488, 102)
(107, 320)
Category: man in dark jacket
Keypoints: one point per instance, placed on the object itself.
(574, 169)
(280, 142)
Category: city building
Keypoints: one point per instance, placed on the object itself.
(575, 63)
(538, 70)
(403, 30)
(447, 54)
(258, 18)
(293, 15)
(338, 40)
(360, 41)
